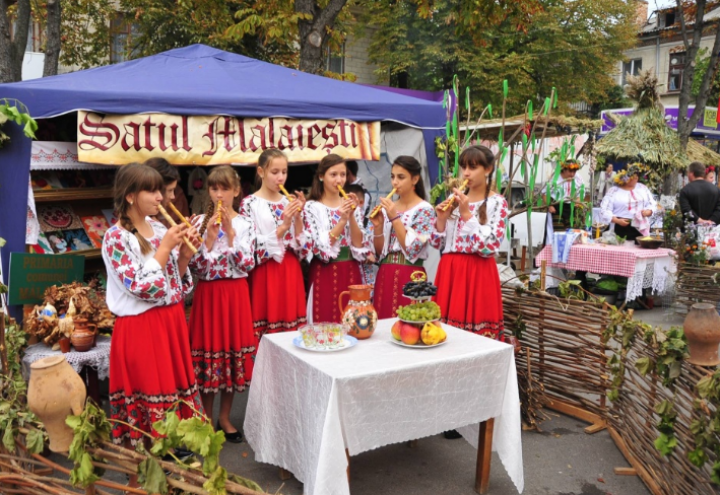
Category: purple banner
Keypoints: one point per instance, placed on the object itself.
(706, 125)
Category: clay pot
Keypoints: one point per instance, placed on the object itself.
(359, 314)
(515, 342)
(83, 337)
(702, 329)
(64, 345)
(55, 391)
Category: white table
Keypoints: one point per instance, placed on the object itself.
(306, 410)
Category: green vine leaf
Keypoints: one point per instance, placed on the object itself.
(35, 441)
(151, 476)
(665, 444)
(643, 365)
(216, 484)
(83, 474)
(9, 439)
(245, 482)
(697, 457)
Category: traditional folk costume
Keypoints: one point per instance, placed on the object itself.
(467, 280)
(150, 364)
(397, 264)
(277, 291)
(222, 337)
(334, 265)
(629, 205)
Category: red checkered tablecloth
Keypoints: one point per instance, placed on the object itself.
(604, 259)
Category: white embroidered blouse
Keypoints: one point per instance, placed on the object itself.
(224, 261)
(267, 217)
(472, 237)
(136, 282)
(419, 222)
(625, 204)
(320, 220)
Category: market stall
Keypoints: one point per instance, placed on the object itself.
(202, 106)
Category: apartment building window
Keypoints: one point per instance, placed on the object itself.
(122, 33)
(631, 68)
(35, 38)
(675, 71)
(335, 62)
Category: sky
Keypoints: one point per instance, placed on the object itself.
(658, 4)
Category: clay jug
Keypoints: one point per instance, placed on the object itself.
(359, 314)
(83, 337)
(55, 392)
(702, 330)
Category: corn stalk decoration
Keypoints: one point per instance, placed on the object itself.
(448, 151)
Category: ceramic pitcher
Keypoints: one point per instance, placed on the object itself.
(55, 391)
(83, 337)
(702, 330)
(359, 314)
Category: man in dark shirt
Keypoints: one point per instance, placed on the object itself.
(700, 200)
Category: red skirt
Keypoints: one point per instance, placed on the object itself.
(389, 284)
(150, 371)
(222, 338)
(328, 281)
(277, 296)
(469, 296)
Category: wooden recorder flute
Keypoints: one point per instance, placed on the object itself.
(378, 207)
(343, 193)
(170, 220)
(219, 218)
(289, 196)
(179, 215)
(452, 197)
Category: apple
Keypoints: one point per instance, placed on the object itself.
(409, 334)
(396, 330)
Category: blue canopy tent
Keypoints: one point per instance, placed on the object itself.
(195, 80)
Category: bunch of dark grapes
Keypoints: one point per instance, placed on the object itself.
(419, 289)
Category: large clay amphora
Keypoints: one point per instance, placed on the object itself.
(702, 330)
(55, 392)
(359, 314)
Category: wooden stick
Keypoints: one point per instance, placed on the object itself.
(172, 223)
(179, 215)
(452, 196)
(377, 208)
(484, 454)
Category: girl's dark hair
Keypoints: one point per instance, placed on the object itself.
(226, 176)
(264, 160)
(480, 156)
(168, 172)
(411, 164)
(317, 189)
(132, 179)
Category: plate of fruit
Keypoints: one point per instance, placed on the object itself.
(419, 312)
(418, 336)
(419, 289)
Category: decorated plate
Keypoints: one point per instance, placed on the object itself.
(347, 343)
(419, 299)
(417, 346)
(422, 322)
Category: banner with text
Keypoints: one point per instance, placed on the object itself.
(213, 140)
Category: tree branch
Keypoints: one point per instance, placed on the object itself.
(52, 43)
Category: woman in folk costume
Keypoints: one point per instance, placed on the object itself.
(627, 206)
(148, 278)
(468, 232)
(277, 291)
(222, 337)
(401, 231)
(339, 244)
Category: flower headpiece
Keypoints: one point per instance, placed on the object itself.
(631, 170)
(570, 165)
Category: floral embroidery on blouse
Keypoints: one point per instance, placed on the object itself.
(472, 237)
(419, 223)
(144, 279)
(320, 220)
(224, 261)
(563, 190)
(267, 217)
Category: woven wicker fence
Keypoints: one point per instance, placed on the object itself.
(567, 361)
(695, 284)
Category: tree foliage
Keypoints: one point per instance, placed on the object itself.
(534, 44)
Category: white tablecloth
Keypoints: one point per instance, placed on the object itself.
(97, 358)
(305, 408)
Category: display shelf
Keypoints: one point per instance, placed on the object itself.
(72, 194)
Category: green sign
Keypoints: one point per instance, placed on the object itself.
(710, 118)
(31, 274)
